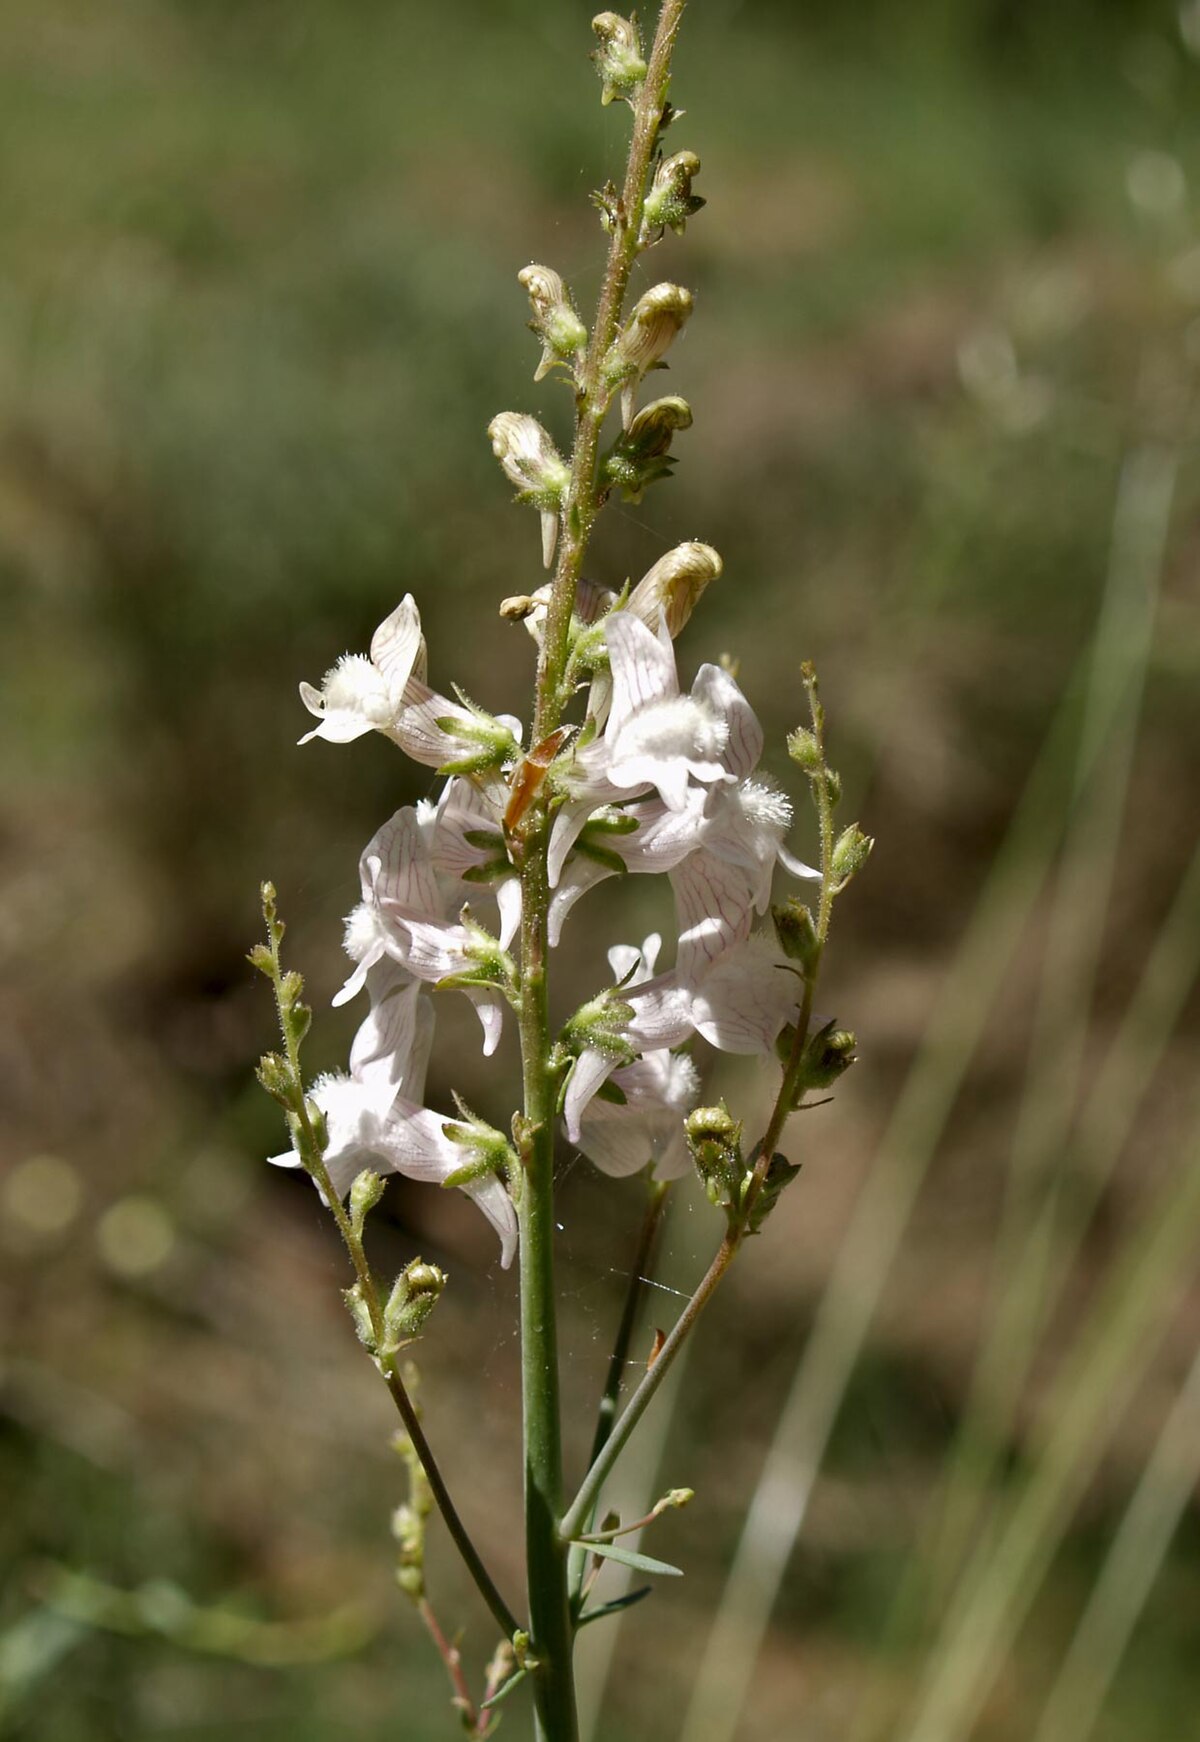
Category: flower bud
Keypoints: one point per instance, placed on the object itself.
(600, 1025)
(715, 1140)
(618, 58)
(674, 585)
(361, 1314)
(827, 1056)
(671, 202)
(797, 932)
(641, 454)
(365, 1193)
(414, 1295)
(780, 1174)
(533, 463)
(555, 320)
(656, 319)
(804, 749)
(850, 853)
(275, 1075)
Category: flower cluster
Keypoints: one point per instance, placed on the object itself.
(656, 780)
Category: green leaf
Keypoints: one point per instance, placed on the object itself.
(503, 1693)
(628, 1557)
(613, 1608)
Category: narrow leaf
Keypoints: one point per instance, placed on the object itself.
(629, 1557)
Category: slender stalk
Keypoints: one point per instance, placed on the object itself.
(546, 1550)
(312, 1156)
(651, 1223)
(473, 1723)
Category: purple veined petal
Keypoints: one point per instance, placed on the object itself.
(621, 1139)
(718, 691)
(796, 867)
(580, 876)
(396, 869)
(382, 1049)
(417, 731)
(746, 997)
(663, 837)
(515, 726)
(642, 666)
(590, 1071)
(662, 1013)
(497, 1206)
(713, 905)
(508, 901)
(436, 948)
(396, 646)
(667, 774)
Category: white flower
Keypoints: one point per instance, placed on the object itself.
(403, 916)
(363, 695)
(374, 1118)
(646, 1123)
(387, 693)
(654, 738)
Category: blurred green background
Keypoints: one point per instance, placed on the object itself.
(257, 305)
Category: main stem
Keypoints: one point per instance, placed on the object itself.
(545, 1548)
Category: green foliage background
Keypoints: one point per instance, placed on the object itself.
(257, 306)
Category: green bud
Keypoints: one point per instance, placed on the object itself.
(276, 1078)
(829, 1054)
(796, 930)
(640, 456)
(715, 1140)
(365, 1193)
(618, 58)
(654, 323)
(780, 1174)
(851, 852)
(533, 463)
(261, 958)
(414, 1295)
(360, 1313)
(671, 202)
(805, 750)
(833, 785)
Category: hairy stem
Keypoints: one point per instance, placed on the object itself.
(546, 1550)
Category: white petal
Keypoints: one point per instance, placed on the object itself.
(714, 904)
(566, 829)
(746, 997)
(508, 900)
(489, 1007)
(797, 868)
(417, 731)
(591, 1069)
(497, 1206)
(396, 868)
(396, 645)
(580, 876)
(642, 665)
(720, 693)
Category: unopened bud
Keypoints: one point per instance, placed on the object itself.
(796, 930)
(780, 1174)
(275, 1076)
(365, 1193)
(555, 319)
(618, 57)
(674, 585)
(533, 463)
(828, 1055)
(361, 1314)
(656, 319)
(641, 454)
(671, 202)
(804, 749)
(414, 1295)
(517, 607)
(715, 1140)
(851, 852)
